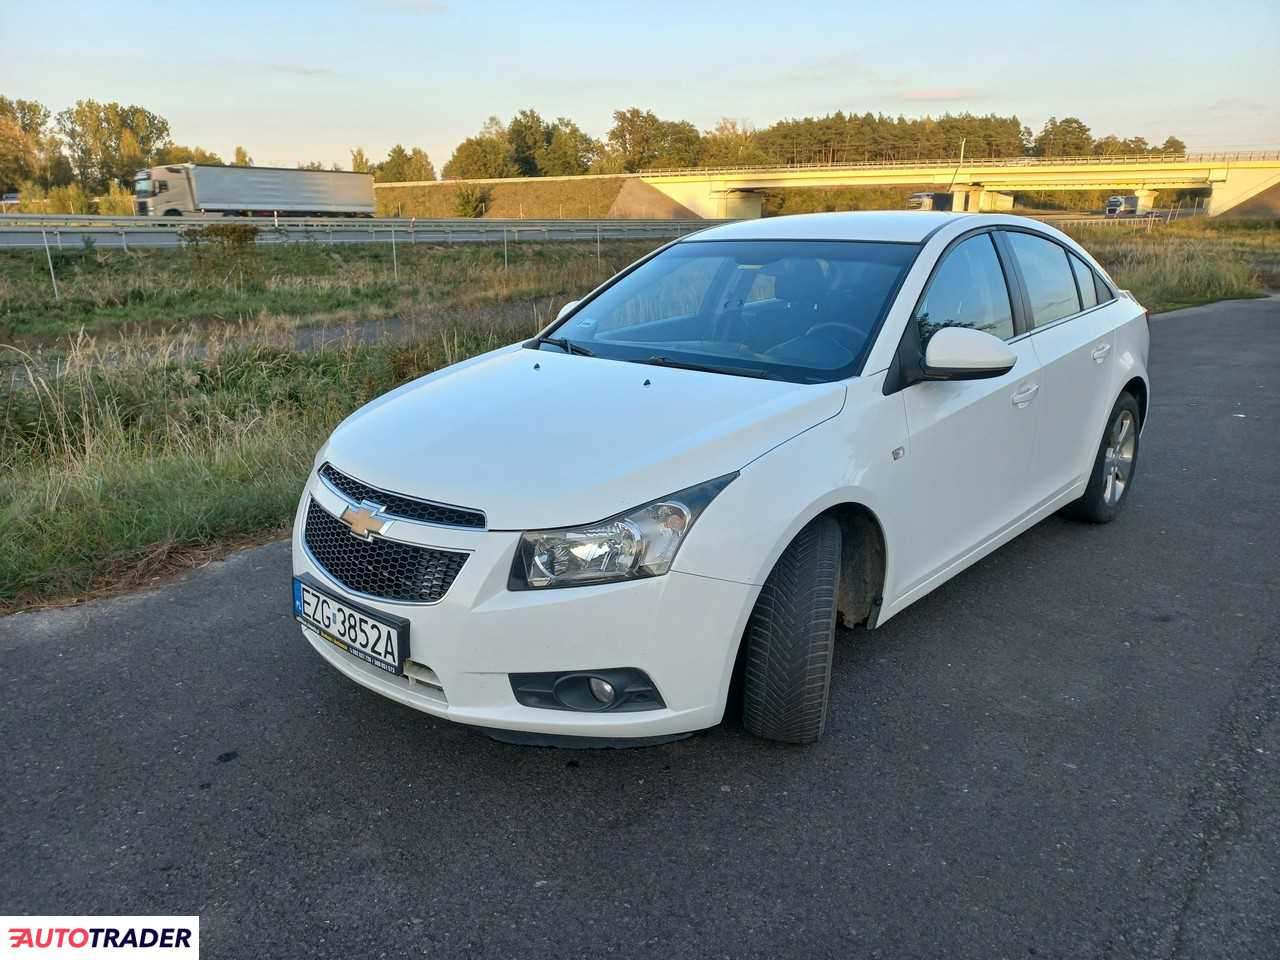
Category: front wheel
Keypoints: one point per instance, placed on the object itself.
(1113, 467)
(790, 639)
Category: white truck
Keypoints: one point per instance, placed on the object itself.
(191, 189)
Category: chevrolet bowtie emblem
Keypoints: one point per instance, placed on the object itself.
(362, 522)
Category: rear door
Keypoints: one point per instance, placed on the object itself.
(1074, 342)
(971, 442)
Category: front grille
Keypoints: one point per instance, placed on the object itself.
(379, 567)
(396, 505)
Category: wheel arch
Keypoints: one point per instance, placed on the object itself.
(863, 562)
(1137, 386)
(863, 572)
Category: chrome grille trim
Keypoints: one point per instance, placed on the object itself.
(400, 506)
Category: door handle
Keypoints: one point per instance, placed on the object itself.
(1100, 352)
(1025, 394)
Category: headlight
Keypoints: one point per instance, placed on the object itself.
(638, 543)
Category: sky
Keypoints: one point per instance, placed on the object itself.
(302, 80)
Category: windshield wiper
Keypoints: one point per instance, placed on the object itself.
(568, 346)
(660, 361)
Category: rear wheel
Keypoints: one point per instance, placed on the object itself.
(1113, 467)
(790, 639)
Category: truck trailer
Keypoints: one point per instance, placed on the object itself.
(196, 189)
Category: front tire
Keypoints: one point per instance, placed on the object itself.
(790, 639)
(1113, 467)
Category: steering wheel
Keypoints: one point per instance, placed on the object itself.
(842, 333)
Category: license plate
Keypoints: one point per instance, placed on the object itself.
(374, 638)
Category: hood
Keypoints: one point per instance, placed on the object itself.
(537, 439)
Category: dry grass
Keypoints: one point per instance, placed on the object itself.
(1185, 264)
(111, 291)
(118, 457)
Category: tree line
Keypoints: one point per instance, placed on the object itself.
(529, 146)
(93, 150)
(96, 148)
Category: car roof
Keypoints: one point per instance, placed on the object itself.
(892, 226)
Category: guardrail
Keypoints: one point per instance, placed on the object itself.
(38, 230)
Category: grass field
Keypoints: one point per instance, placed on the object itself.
(220, 285)
(185, 416)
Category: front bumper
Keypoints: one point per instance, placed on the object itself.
(680, 629)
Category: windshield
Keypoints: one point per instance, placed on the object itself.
(142, 188)
(798, 310)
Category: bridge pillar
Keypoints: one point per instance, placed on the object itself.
(713, 201)
(1146, 200)
(1232, 186)
(976, 199)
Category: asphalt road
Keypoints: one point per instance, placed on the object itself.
(1071, 750)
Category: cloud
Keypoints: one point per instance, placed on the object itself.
(829, 70)
(283, 69)
(936, 94)
(1238, 105)
(416, 6)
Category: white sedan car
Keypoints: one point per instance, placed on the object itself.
(704, 464)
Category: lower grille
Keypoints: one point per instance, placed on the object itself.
(378, 567)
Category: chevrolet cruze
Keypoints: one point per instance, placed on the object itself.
(705, 464)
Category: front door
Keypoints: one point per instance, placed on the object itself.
(971, 442)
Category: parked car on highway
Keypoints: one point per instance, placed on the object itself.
(678, 487)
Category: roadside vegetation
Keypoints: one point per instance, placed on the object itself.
(228, 283)
(1183, 264)
(170, 406)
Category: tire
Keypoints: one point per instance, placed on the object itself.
(1114, 467)
(790, 639)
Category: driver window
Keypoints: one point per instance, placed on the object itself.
(968, 290)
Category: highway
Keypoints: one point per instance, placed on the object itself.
(1070, 750)
(134, 233)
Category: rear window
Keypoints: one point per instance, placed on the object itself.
(1103, 289)
(1050, 285)
(1084, 279)
(797, 310)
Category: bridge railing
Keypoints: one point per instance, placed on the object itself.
(1145, 158)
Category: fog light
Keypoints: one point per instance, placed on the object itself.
(602, 690)
(612, 689)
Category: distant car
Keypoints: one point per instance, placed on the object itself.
(708, 459)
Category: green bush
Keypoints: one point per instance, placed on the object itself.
(472, 200)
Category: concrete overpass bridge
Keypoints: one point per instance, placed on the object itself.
(981, 184)
(737, 192)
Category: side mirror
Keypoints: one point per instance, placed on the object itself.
(962, 353)
(566, 308)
